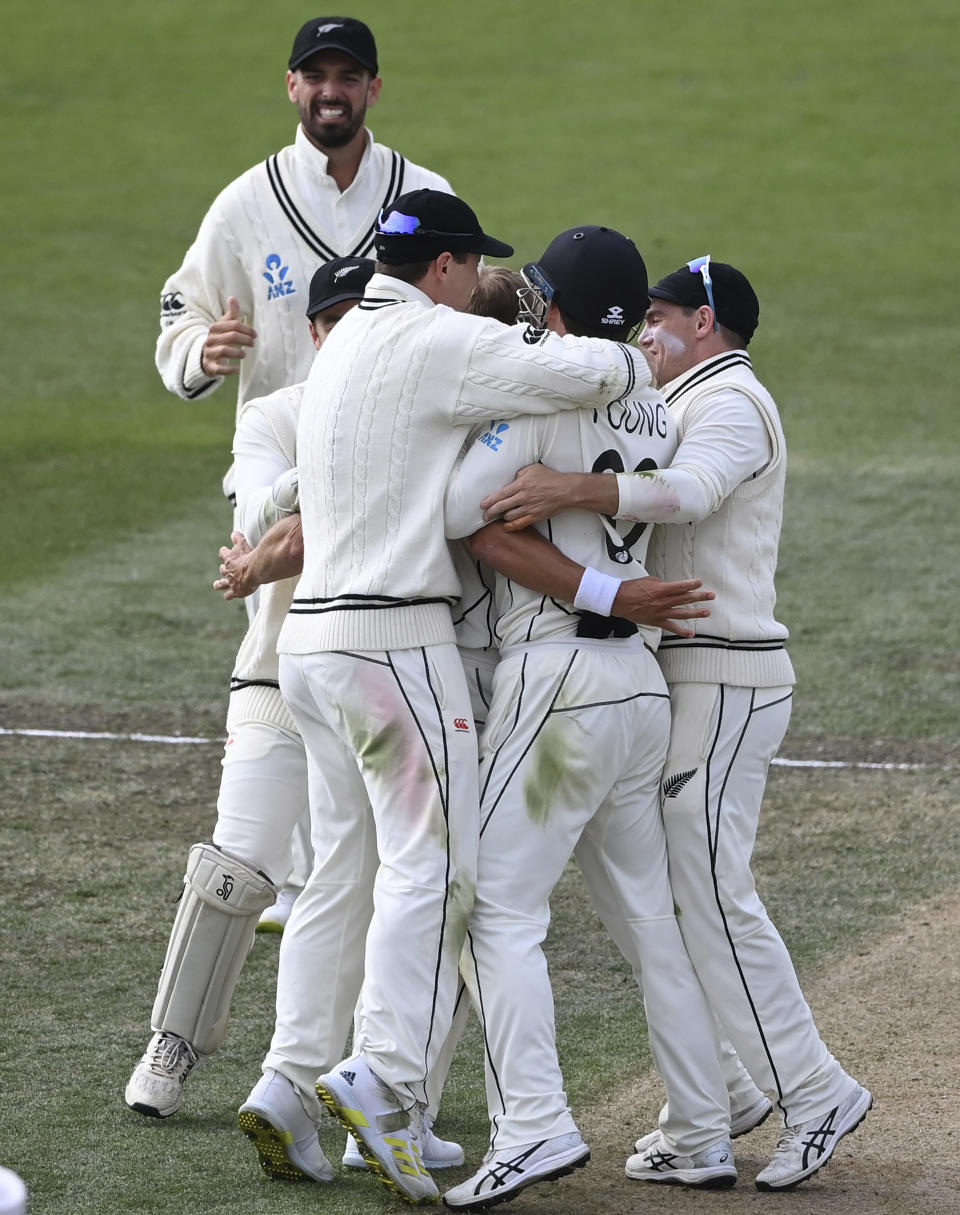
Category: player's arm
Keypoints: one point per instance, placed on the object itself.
(530, 559)
(279, 554)
(204, 308)
(725, 443)
(538, 492)
(265, 482)
(514, 371)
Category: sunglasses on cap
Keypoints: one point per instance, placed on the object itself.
(701, 266)
(398, 224)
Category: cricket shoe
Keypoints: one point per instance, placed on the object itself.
(274, 918)
(804, 1149)
(507, 1171)
(711, 1169)
(156, 1086)
(284, 1134)
(742, 1122)
(437, 1153)
(387, 1135)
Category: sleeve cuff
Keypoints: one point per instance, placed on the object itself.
(196, 382)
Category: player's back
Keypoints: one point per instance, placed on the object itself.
(633, 434)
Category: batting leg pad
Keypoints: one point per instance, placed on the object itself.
(209, 942)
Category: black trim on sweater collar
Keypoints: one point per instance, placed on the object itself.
(705, 371)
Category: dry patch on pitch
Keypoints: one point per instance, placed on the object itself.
(889, 1013)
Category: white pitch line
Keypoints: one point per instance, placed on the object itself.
(179, 739)
(85, 734)
(843, 763)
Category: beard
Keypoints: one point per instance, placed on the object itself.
(331, 134)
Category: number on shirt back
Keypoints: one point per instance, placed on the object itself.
(612, 461)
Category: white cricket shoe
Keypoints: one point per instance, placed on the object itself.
(804, 1149)
(274, 918)
(388, 1135)
(283, 1132)
(437, 1153)
(156, 1086)
(742, 1122)
(711, 1169)
(507, 1171)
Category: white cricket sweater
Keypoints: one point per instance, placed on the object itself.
(387, 407)
(264, 447)
(261, 241)
(723, 496)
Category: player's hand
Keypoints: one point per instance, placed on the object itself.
(662, 604)
(226, 340)
(235, 580)
(536, 493)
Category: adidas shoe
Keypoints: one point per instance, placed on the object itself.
(742, 1122)
(274, 918)
(284, 1134)
(156, 1086)
(712, 1169)
(437, 1153)
(804, 1149)
(387, 1135)
(504, 1173)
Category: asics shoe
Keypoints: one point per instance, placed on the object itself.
(387, 1135)
(804, 1149)
(437, 1153)
(507, 1171)
(742, 1122)
(275, 1119)
(156, 1086)
(712, 1169)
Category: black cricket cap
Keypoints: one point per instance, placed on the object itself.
(737, 306)
(344, 278)
(599, 280)
(421, 225)
(335, 34)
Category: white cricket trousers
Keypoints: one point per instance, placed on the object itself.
(721, 744)
(572, 757)
(392, 770)
(263, 796)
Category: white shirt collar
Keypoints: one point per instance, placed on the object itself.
(385, 287)
(314, 162)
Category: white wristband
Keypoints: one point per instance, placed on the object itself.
(596, 592)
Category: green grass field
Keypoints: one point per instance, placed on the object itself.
(812, 145)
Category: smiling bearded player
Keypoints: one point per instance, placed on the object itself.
(235, 306)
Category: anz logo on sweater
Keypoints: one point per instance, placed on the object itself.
(494, 436)
(276, 275)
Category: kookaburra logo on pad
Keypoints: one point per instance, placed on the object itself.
(614, 315)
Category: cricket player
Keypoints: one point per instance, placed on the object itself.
(369, 668)
(571, 758)
(235, 305)
(263, 789)
(731, 692)
(263, 792)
